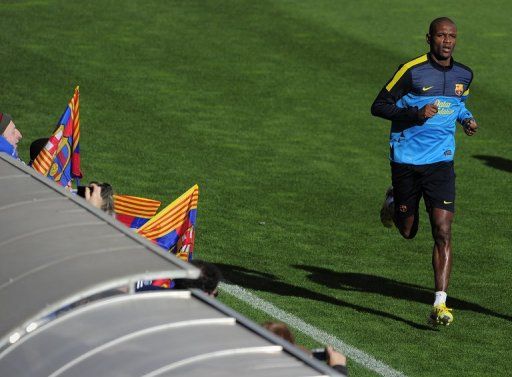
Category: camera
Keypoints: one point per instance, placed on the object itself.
(80, 191)
(319, 354)
(106, 189)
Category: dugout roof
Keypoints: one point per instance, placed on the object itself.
(172, 333)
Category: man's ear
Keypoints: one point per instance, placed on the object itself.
(427, 36)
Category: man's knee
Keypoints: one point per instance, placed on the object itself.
(442, 233)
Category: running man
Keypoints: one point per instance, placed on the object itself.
(423, 100)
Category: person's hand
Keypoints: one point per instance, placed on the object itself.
(470, 126)
(428, 111)
(334, 357)
(93, 195)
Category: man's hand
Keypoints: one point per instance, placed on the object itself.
(93, 195)
(469, 126)
(428, 111)
(334, 357)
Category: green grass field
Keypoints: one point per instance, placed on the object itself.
(265, 104)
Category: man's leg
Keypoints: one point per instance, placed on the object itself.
(439, 194)
(441, 222)
(406, 198)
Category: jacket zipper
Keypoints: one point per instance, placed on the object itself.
(444, 82)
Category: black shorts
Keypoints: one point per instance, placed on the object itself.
(435, 182)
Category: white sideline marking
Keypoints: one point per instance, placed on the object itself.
(320, 336)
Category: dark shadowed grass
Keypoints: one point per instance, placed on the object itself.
(266, 106)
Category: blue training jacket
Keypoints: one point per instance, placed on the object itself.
(6, 147)
(415, 84)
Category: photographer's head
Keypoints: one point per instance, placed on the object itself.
(280, 329)
(100, 195)
(208, 279)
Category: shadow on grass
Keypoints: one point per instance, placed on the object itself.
(375, 284)
(256, 280)
(495, 162)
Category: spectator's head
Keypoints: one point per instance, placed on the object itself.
(101, 195)
(280, 329)
(9, 131)
(208, 279)
(35, 148)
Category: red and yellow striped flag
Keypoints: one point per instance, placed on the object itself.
(134, 211)
(173, 227)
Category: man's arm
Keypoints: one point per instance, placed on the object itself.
(465, 118)
(464, 112)
(385, 106)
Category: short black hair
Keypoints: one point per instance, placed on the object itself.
(207, 281)
(437, 21)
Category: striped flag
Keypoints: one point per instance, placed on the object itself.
(173, 227)
(134, 211)
(59, 160)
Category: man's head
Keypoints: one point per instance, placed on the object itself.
(441, 37)
(280, 329)
(8, 130)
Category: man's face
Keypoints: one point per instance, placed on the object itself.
(12, 134)
(442, 41)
